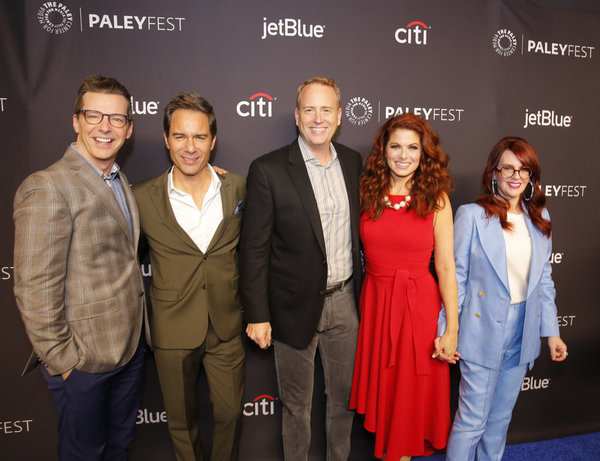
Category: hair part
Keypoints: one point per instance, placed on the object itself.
(319, 81)
(190, 100)
(429, 181)
(101, 84)
(497, 206)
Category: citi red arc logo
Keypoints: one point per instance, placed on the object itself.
(262, 405)
(257, 105)
(415, 33)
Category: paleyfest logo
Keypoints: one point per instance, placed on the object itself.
(55, 17)
(504, 42)
(359, 111)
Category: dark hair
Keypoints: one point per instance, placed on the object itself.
(319, 81)
(497, 206)
(429, 181)
(192, 101)
(101, 84)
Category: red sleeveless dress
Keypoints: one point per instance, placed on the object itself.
(403, 392)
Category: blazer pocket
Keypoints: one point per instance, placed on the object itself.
(283, 282)
(163, 295)
(91, 310)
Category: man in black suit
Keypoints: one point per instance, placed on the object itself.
(300, 267)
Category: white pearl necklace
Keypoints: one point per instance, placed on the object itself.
(396, 206)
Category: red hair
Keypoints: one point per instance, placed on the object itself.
(497, 206)
(429, 181)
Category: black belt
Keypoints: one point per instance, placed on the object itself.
(331, 289)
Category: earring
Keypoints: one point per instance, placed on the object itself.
(494, 186)
(532, 191)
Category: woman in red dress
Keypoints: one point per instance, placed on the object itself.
(401, 379)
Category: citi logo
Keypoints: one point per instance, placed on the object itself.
(263, 405)
(414, 33)
(291, 28)
(258, 105)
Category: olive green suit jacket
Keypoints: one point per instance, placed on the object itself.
(189, 287)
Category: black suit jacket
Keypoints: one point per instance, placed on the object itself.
(283, 264)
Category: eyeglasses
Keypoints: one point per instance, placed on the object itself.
(508, 171)
(94, 117)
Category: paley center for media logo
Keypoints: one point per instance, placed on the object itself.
(414, 33)
(56, 18)
(290, 27)
(257, 105)
(505, 43)
(358, 111)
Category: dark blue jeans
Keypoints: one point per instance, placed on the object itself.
(97, 411)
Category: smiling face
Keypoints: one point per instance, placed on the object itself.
(510, 189)
(318, 116)
(189, 143)
(101, 143)
(403, 154)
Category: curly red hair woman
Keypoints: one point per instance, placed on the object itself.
(398, 385)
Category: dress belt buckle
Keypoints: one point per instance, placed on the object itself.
(330, 290)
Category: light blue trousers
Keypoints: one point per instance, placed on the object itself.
(487, 398)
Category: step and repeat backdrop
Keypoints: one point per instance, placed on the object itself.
(477, 70)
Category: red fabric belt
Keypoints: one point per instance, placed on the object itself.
(405, 301)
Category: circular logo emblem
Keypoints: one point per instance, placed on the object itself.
(504, 42)
(359, 111)
(55, 17)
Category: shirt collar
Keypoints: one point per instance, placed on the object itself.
(114, 170)
(215, 183)
(310, 158)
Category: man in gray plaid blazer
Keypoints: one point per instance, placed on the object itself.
(78, 283)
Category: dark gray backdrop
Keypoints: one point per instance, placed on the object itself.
(474, 68)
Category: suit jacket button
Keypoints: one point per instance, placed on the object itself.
(539, 315)
(141, 294)
(204, 286)
(478, 315)
(480, 293)
(324, 261)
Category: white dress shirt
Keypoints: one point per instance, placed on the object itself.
(199, 224)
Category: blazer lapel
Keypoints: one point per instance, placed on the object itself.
(101, 191)
(351, 181)
(538, 254)
(133, 209)
(299, 175)
(228, 209)
(492, 242)
(160, 198)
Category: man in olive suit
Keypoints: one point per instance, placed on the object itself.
(191, 218)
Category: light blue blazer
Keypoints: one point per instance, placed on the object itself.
(483, 290)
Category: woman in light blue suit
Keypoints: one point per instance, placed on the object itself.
(502, 247)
